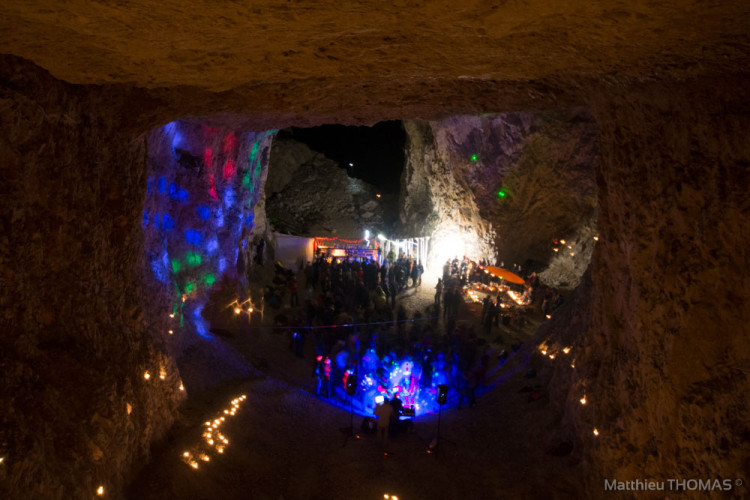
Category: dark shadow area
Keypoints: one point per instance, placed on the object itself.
(374, 154)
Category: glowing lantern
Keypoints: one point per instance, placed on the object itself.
(583, 400)
(100, 491)
(147, 375)
(596, 431)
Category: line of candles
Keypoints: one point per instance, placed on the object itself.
(213, 438)
(566, 350)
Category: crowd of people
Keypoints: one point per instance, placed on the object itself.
(352, 316)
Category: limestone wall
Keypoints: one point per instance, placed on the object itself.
(663, 354)
(75, 333)
(508, 184)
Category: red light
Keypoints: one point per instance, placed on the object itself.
(208, 157)
(212, 187)
(229, 169)
(229, 142)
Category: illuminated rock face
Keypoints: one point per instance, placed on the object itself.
(504, 186)
(437, 203)
(202, 227)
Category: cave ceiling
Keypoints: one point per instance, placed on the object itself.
(310, 61)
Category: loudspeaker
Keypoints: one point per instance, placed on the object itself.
(351, 384)
(442, 394)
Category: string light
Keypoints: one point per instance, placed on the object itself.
(596, 238)
(171, 315)
(147, 375)
(596, 431)
(182, 387)
(583, 400)
(551, 356)
(566, 350)
(171, 332)
(100, 491)
(237, 310)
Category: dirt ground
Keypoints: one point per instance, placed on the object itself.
(285, 443)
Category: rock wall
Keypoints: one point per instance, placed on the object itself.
(75, 335)
(665, 363)
(437, 202)
(199, 220)
(308, 194)
(517, 181)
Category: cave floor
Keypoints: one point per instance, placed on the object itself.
(285, 443)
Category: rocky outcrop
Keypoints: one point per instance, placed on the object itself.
(437, 202)
(308, 194)
(505, 185)
(87, 385)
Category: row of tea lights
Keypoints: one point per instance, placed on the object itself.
(147, 377)
(566, 350)
(213, 439)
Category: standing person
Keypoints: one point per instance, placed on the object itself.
(384, 412)
(438, 292)
(420, 271)
(322, 372)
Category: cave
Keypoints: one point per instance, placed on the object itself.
(148, 149)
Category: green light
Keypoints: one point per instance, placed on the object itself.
(209, 279)
(193, 259)
(254, 152)
(501, 194)
(176, 266)
(246, 179)
(189, 287)
(474, 157)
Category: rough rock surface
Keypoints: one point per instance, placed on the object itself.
(307, 194)
(543, 164)
(199, 219)
(436, 202)
(312, 61)
(77, 331)
(661, 348)
(666, 357)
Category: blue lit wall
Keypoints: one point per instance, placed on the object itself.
(203, 185)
